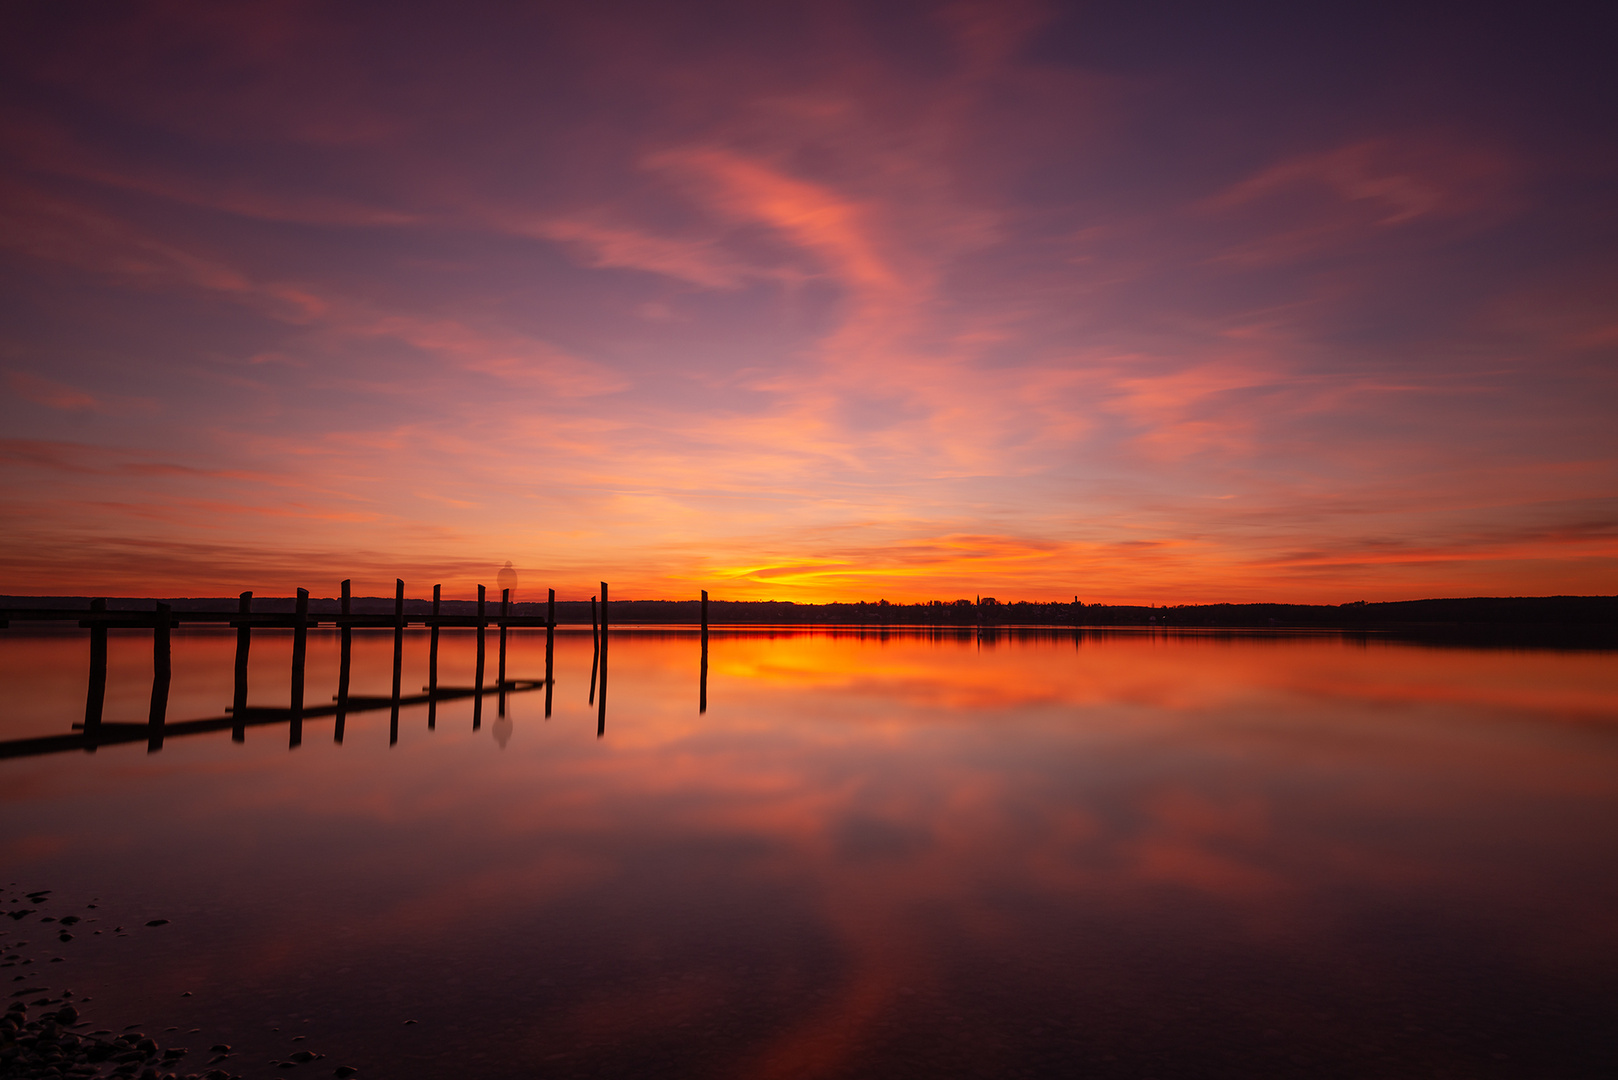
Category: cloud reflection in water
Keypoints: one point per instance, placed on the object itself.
(877, 855)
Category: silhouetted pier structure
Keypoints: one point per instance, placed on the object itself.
(94, 731)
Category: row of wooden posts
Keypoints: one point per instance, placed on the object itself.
(94, 731)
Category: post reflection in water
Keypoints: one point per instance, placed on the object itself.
(432, 662)
(595, 650)
(877, 854)
(345, 666)
(244, 645)
(500, 679)
(477, 682)
(398, 659)
(601, 650)
(550, 650)
(162, 674)
(300, 647)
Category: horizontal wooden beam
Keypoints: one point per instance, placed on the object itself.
(111, 733)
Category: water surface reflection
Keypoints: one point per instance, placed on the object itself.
(872, 855)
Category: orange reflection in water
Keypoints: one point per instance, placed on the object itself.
(872, 855)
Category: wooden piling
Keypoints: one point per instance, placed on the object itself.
(344, 667)
(595, 650)
(244, 643)
(550, 650)
(432, 666)
(162, 670)
(398, 656)
(505, 613)
(702, 693)
(601, 702)
(300, 652)
(96, 695)
(477, 699)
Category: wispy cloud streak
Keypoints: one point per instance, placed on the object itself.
(817, 303)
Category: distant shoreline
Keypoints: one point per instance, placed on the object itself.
(1582, 617)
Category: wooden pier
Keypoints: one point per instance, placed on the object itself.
(94, 731)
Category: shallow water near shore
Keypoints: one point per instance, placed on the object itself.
(875, 855)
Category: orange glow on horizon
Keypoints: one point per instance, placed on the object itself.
(826, 305)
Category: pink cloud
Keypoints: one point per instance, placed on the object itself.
(611, 246)
(1338, 198)
(52, 394)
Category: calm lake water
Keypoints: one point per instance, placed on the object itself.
(1104, 854)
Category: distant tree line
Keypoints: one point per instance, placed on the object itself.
(1584, 615)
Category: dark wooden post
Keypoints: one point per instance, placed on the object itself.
(344, 665)
(300, 651)
(244, 643)
(432, 666)
(96, 696)
(161, 672)
(702, 694)
(477, 695)
(398, 656)
(595, 650)
(550, 650)
(601, 702)
(505, 613)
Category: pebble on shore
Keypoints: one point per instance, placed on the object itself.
(44, 1048)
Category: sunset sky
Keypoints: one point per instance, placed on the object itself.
(821, 301)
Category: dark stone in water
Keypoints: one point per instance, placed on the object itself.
(21, 913)
(219, 1048)
(158, 922)
(344, 1071)
(69, 920)
(67, 1015)
(64, 936)
(303, 1057)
